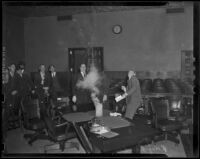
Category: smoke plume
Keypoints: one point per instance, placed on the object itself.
(91, 81)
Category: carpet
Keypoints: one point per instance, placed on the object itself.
(165, 147)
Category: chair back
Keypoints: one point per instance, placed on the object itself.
(160, 107)
(83, 138)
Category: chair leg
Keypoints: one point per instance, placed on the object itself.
(159, 138)
(173, 139)
(62, 146)
(38, 136)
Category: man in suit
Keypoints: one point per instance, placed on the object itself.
(12, 104)
(56, 89)
(42, 83)
(132, 94)
(12, 88)
(25, 85)
(81, 96)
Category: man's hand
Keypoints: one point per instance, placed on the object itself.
(123, 88)
(14, 92)
(105, 98)
(124, 95)
(74, 99)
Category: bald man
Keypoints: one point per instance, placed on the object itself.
(133, 94)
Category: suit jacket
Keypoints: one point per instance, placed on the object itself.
(134, 97)
(9, 87)
(83, 95)
(25, 85)
(12, 84)
(38, 80)
(38, 85)
(55, 84)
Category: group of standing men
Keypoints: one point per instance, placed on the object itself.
(17, 84)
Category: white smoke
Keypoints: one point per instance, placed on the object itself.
(91, 81)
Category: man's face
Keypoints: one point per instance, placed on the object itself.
(19, 71)
(52, 69)
(83, 68)
(42, 68)
(12, 68)
(130, 74)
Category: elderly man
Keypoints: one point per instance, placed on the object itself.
(132, 94)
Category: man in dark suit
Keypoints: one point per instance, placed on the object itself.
(56, 89)
(81, 96)
(132, 94)
(25, 85)
(55, 84)
(12, 88)
(12, 104)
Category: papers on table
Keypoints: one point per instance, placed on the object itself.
(109, 134)
(103, 131)
(115, 114)
(99, 130)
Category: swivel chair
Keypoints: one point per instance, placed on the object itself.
(59, 131)
(160, 112)
(31, 119)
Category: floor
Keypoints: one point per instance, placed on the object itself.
(16, 144)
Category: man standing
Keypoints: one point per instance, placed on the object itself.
(12, 89)
(81, 96)
(132, 94)
(25, 85)
(42, 83)
(56, 89)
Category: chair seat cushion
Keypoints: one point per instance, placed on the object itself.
(168, 125)
(36, 124)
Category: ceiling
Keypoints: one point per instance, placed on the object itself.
(55, 9)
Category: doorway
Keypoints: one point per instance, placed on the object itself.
(77, 56)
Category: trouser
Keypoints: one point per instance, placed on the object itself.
(131, 110)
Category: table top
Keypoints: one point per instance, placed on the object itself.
(128, 134)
